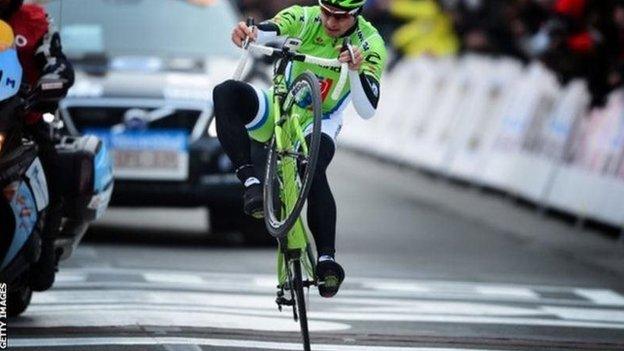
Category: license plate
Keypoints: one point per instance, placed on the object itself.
(153, 155)
(147, 159)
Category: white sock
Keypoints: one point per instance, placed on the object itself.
(325, 258)
(251, 181)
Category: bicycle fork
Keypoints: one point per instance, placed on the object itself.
(286, 258)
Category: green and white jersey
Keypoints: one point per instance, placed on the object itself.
(304, 22)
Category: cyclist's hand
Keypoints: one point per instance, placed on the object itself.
(241, 32)
(356, 62)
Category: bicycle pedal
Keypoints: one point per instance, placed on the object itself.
(282, 301)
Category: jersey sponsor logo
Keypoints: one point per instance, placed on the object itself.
(373, 58)
(326, 84)
(374, 86)
(365, 45)
(287, 17)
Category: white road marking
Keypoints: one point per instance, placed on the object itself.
(586, 314)
(246, 301)
(102, 316)
(247, 344)
(457, 319)
(396, 286)
(73, 277)
(182, 348)
(512, 292)
(178, 278)
(602, 297)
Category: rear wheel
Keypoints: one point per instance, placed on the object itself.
(280, 181)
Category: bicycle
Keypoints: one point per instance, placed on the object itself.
(290, 167)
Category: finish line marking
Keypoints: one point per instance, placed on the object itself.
(247, 344)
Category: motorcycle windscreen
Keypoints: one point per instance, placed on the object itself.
(10, 73)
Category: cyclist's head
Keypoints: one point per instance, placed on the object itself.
(338, 16)
(9, 7)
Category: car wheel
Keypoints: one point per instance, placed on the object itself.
(18, 300)
(223, 219)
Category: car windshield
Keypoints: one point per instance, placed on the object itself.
(162, 28)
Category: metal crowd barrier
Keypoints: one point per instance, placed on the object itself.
(495, 123)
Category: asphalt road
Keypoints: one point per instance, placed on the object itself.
(430, 266)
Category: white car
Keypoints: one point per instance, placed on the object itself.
(145, 70)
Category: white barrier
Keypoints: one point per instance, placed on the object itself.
(473, 144)
(589, 185)
(493, 122)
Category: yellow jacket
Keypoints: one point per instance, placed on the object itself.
(429, 31)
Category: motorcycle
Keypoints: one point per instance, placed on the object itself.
(86, 185)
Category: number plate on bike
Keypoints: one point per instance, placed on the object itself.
(150, 154)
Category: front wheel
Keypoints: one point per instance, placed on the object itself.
(290, 171)
(301, 304)
(18, 300)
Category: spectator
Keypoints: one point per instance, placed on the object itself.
(428, 29)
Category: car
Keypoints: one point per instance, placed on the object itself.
(145, 70)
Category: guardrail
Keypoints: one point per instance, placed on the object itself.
(495, 123)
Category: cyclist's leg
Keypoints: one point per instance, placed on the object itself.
(235, 104)
(239, 107)
(321, 203)
(322, 213)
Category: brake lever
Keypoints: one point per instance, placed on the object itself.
(344, 68)
(242, 63)
(251, 25)
(346, 46)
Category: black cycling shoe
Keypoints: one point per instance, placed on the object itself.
(330, 275)
(253, 204)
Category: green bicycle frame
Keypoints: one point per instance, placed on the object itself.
(289, 132)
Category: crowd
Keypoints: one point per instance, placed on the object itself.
(574, 38)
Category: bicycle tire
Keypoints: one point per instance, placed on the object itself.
(279, 224)
(301, 306)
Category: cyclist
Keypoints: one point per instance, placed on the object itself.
(42, 59)
(244, 111)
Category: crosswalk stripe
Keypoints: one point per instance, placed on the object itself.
(602, 297)
(245, 301)
(247, 344)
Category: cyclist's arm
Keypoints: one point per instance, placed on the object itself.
(287, 23)
(268, 32)
(364, 93)
(365, 87)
